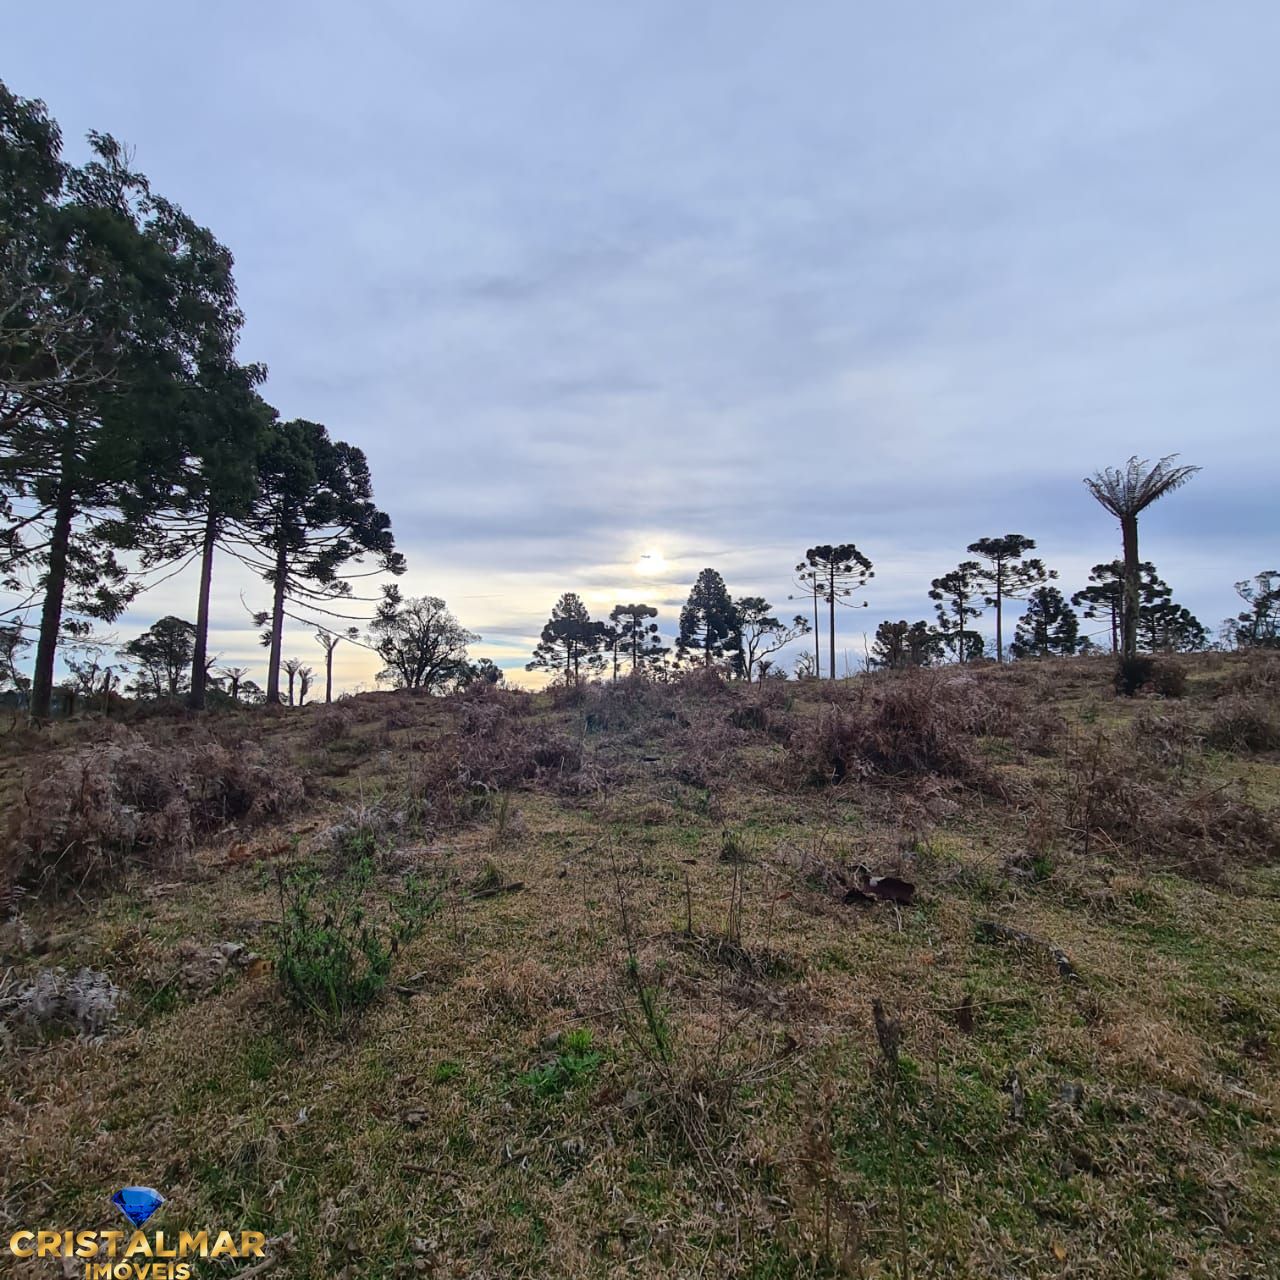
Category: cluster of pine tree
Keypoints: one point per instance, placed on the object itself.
(132, 440)
(1050, 625)
(742, 635)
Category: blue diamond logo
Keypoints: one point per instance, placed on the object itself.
(137, 1203)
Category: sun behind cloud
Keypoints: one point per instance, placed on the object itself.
(650, 564)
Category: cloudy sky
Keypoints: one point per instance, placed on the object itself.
(718, 281)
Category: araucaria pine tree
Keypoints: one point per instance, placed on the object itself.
(1049, 627)
(905, 644)
(569, 641)
(1103, 598)
(958, 600)
(708, 621)
(637, 633)
(1008, 575)
(313, 515)
(1258, 626)
(836, 573)
(112, 301)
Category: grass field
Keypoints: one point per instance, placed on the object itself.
(637, 1034)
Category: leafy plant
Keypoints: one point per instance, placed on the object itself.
(333, 958)
(575, 1063)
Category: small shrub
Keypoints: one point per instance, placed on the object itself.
(129, 799)
(332, 958)
(331, 724)
(363, 830)
(1165, 736)
(1169, 680)
(1242, 724)
(1132, 674)
(915, 724)
(1145, 674)
(1116, 803)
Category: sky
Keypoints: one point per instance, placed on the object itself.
(718, 282)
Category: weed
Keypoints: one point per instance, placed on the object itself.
(333, 960)
(572, 1065)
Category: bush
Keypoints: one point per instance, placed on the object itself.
(1132, 674)
(1113, 801)
(1145, 674)
(333, 961)
(1243, 725)
(130, 799)
(913, 724)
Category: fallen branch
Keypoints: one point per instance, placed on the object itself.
(493, 890)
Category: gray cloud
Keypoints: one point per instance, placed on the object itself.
(731, 279)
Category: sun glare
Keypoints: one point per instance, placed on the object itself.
(651, 563)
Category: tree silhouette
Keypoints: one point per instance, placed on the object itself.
(314, 515)
(306, 675)
(1104, 597)
(112, 300)
(637, 635)
(1258, 627)
(423, 645)
(1127, 492)
(905, 644)
(226, 423)
(235, 678)
(483, 671)
(808, 582)
(1168, 627)
(708, 621)
(1007, 575)
(836, 571)
(329, 641)
(955, 595)
(163, 655)
(761, 634)
(291, 668)
(569, 639)
(1048, 627)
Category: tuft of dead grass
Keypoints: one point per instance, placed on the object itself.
(96, 808)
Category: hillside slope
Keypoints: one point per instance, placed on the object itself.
(665, 1019)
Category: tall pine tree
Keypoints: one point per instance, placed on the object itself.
(1008, 575)
(708, 621)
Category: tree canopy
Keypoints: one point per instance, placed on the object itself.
(708, 621)
(422, 644)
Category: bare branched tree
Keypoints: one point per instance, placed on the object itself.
(1125, 491)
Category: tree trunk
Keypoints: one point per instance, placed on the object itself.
(964, 643)
(999, 612)
(328, 672)
(817, 635)
(51, 613)
(199, 667)
(1129, 619)
(277, 623)
(831, 609)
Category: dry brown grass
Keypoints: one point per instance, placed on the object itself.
(767, 1139)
